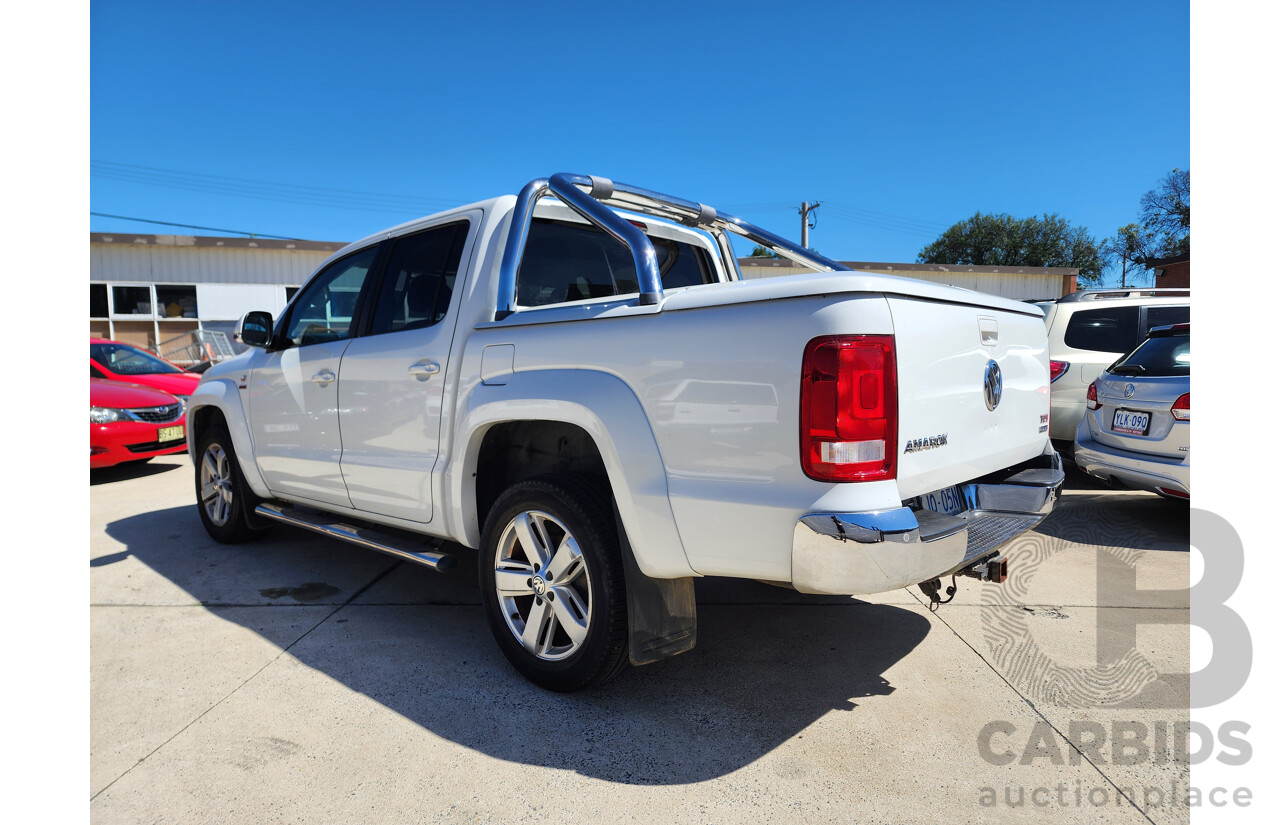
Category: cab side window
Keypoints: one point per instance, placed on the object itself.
(324, 310)
(566, 262)
(420, 277)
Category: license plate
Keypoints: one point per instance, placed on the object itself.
(171, 433)
(1133, 423)
(947, 500)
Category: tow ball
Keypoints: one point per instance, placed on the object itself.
(994, 569)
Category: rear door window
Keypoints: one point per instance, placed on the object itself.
(1112, 329)
(419, 280)
(1159, 316)
(566, 262)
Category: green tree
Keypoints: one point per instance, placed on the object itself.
(1166, 213)
(1130, 248)
(1003, 240)
(761, 252)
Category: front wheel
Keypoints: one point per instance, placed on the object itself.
(221, 494)
(552, 583)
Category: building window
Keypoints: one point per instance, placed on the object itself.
(98, 301)
(131, 300)
(289, 292)
(176, 301)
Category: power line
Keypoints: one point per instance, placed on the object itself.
(882, 225)
(193, 226)
(921, 222)
(269, 191)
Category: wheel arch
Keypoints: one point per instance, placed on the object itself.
(561, 403)
(220, 399)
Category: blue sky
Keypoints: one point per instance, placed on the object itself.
(901, 118)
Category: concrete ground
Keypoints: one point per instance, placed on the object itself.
(298, 679)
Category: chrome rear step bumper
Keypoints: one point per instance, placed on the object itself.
(363, 536)
(863, 553)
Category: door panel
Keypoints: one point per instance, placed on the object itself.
(293, 392)
(294, 418)
(393, 379)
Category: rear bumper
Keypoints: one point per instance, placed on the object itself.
(1131, 469)
(862, 553)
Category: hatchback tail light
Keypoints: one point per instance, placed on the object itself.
(849, 408)
(1091, 398)
(1056, 369)
(1181, 408)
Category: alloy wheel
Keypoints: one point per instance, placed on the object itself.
(542, 585)
(215, 485)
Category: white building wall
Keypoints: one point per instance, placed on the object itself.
(177, 264)
(228, 302)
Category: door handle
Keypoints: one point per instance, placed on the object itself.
(424, 370)
(324, 378)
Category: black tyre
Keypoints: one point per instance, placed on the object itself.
(221, 494)
(552, 582)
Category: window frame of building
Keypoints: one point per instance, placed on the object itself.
(131, 316)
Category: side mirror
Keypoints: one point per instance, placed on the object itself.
(254, 329)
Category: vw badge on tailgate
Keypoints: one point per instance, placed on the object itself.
(993, 385)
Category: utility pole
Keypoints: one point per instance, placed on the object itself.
(805, 209)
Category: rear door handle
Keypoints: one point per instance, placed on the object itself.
(424, 370)
(324, 378)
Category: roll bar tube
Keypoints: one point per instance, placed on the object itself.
(590, 197)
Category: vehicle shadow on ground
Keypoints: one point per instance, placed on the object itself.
(769, 662)
(128, 470)
(1130, 520)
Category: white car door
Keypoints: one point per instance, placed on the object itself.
(392, 379)
(293, 391)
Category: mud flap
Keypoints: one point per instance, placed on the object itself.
(662, 616)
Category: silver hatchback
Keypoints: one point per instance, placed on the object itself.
(1137, 425)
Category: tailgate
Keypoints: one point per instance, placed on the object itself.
(947, 433)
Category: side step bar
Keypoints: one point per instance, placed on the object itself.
(362, 536)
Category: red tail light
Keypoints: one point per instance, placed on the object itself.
(849, 408)
(1056, 369)
(1181, 408)
(1091, 398)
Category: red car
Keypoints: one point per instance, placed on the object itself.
(128, 422)
(116, 361)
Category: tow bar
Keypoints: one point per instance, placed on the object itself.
(994, 569)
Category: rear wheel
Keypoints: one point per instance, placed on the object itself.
(552, 583)
(221, 494)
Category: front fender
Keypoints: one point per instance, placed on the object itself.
(223, 395)
(604, 406)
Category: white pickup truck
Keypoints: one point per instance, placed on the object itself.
(577, 382)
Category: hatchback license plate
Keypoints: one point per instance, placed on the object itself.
(947, 500)
(1130, 422)
(171, 433)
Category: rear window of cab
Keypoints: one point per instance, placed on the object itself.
(566, 262)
